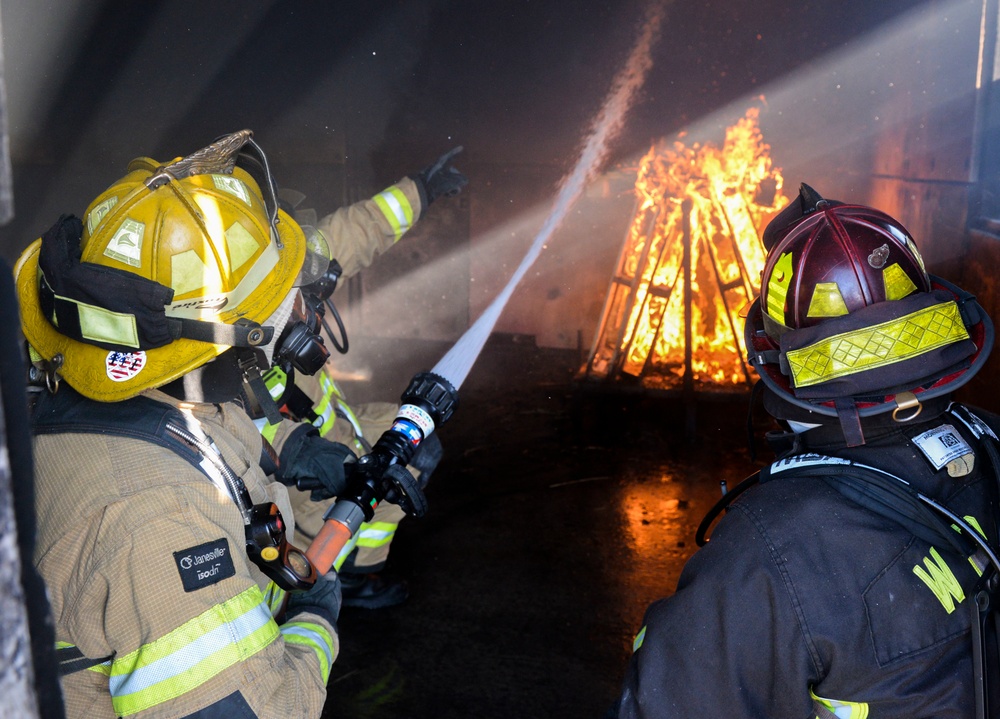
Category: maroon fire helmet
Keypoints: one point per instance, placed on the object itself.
(849, 324)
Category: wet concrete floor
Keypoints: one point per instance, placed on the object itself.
(555, 518)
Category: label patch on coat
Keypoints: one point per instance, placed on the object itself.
(205, 564)
(941, 445)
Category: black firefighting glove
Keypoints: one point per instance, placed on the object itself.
(323, 598)
(309, 462)
(441, 179)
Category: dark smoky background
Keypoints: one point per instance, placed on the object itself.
(347, 97)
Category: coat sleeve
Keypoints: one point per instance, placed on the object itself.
(360, 232)
(728, 643)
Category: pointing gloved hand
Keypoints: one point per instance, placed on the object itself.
(322, 598)
(441, 179)
(308, 461)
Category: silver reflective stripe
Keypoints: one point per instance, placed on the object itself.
(376, 534)
(396, 208)
(837, 708)
(306, 634)
(190, 655)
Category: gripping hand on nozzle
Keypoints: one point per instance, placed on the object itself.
(382, 475)
(310, 462)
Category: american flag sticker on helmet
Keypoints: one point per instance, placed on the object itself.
(123, 366)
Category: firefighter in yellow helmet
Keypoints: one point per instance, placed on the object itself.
(353, 237)
(161, 536)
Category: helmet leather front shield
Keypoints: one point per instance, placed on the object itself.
(929, 345)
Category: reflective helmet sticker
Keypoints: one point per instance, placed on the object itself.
(827, 301)
(777, 287)
(897, 283)
(126, 245)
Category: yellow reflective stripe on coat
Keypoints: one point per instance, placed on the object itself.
(840, 709)
(396, 208)
(314, 636)
(376, 534)
(872, 347)
(325, 407)
(267, 430)
(639, 638)
(192, 654)
(274, 597)
(325, 417)
(345, 552)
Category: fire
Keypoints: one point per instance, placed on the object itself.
(692, 260)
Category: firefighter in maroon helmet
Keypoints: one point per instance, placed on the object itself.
(853, 577)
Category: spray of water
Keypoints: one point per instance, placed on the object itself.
(458, 361)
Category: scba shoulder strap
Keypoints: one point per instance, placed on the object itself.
(885, 494)
(137, 418)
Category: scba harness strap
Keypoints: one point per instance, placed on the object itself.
(896, 499)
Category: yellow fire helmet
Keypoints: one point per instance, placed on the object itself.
(171, 266)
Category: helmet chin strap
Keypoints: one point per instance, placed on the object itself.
(278, 320)
(213, 382)
(850, 421)
(255, 393)
(258, 399)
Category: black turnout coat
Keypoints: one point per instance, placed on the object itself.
(806, 604)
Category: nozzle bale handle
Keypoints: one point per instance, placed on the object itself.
(428, 401)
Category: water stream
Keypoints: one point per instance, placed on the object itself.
(458, 361)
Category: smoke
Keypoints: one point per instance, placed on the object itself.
(458, 361)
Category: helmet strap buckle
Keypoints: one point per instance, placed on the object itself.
(47, 372)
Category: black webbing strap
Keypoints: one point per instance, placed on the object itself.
(241, 333)
(72, 660)
(881, 492)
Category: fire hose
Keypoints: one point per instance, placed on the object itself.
(381, 475)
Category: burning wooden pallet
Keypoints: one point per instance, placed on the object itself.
(691, 261)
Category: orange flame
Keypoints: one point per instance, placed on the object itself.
(699, 210)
